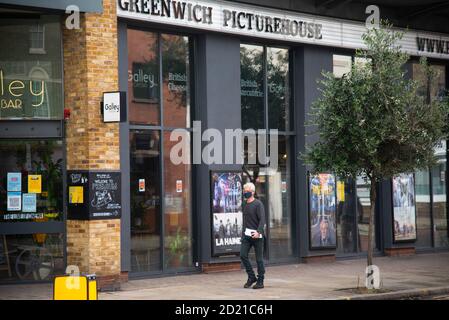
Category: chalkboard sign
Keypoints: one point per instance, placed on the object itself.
(94, 195)
(105, 198)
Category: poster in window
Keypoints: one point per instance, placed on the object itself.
(29, 202)
(227, 215)
(14, 181)
(404, 207)
(322, 211)
(34, 183)
(14, 201)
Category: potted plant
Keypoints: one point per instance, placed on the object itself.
(178, 247)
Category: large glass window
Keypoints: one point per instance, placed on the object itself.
(176, 80)
(279, 183)
(265, 73)
(423, 209)
(439, 208)
(252, 86)
(353, 197)
(143, 77)
(431, 189)
(31, 257)
(31, 180)
(145, 177)
(31, 68)
(161, 231)
(341, 65)
(278, 80)
(348, 203)
(363, 209)
(31, 191)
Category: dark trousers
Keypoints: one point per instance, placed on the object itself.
(247, 243)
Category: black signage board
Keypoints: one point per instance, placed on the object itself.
(77, 195)
(94, 195)
(105, 197)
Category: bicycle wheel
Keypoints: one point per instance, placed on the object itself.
(36, 264)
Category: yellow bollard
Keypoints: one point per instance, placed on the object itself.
(75, 288)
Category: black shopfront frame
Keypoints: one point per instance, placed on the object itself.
(42, 130)
(126, 127)
(32, 130)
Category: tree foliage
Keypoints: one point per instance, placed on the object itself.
(372, 122)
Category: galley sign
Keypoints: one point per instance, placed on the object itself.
(114, 106)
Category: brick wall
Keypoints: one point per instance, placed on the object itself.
(91, 68)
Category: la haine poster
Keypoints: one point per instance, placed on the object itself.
(404, 207)
(227, 215)
(322, 193)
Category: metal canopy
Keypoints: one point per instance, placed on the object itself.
(426, 15)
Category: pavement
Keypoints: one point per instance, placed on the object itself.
(420, 275)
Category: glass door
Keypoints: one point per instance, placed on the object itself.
(159, 98)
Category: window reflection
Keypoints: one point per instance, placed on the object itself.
(279, 204)
(31, 59)
(145, 200)
(143, 77)
(341, 65)
(161, 232)
(40, 158)
(363, 213)
(177, 197)
(348, 203)
(432, 88)
(251, 86)
(31, 257)
(176, 80)
(278, 88)
(273, 186)
(423, 209)
(438, 173)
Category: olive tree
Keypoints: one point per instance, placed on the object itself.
(372, 121)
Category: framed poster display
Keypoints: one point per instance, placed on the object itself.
(404, 208)
(322, 211)
(227, 213)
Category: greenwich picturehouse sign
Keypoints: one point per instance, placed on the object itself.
(262, 22)
(217, 16)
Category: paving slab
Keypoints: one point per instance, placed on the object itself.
(294, 281)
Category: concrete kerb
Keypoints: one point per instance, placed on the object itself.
(401, 294)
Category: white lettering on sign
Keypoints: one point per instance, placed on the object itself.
(261, 22)
(111, 107)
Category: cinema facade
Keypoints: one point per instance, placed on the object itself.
(86, 187)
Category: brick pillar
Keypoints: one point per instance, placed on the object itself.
(91, 68)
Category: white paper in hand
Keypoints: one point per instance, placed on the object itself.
(250, 232)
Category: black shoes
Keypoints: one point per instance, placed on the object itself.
(249, 283)
(258, 285)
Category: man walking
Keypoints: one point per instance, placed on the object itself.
(253, 233)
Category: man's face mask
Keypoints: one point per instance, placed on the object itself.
(247, 194)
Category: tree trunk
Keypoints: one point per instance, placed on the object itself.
(373, 196)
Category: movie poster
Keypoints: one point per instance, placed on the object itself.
(404, 214)
(322, 208)
(227, 215)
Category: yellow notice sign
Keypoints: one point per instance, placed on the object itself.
(341, 191)
(34, 183)
(76, 194)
